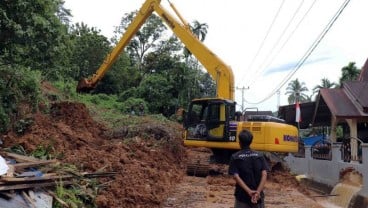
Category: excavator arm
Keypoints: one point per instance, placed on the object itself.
(86, 85)
(219, 71)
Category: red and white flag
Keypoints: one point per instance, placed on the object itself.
(298, 117)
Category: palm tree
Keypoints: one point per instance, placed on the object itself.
(325, 83)
(295, 90)
(200, 31)
(349, 73)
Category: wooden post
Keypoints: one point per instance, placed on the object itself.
(354, 134)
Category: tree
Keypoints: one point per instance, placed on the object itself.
(88, 51)
(155, 90)
(166, 82)
(32, 35)
(296, 90)
(349, 73)
(19, 93)
(200, 31)
(144, 40)
(325, 83)
(62, 13)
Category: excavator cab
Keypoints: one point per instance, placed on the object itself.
(209, 120)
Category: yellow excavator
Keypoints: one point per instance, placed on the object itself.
(209, 122)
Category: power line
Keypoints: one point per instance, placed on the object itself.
(308, 53)
(256, 74)
(264, 39)
(289, 37)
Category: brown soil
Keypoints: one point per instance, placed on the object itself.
(148, 164)
(217, 191)
(149, 159)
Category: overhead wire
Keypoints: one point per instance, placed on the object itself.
(262, 66)
(307, 54)
(265, 37)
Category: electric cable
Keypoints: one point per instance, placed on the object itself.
(262, 66)
(265, 37)
(307, 54)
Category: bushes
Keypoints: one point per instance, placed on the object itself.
(19, 93)
(132, 105)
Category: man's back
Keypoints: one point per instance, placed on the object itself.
(248, 164)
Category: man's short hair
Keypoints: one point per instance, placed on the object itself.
(245, 138)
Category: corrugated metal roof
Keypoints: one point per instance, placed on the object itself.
(339, 103)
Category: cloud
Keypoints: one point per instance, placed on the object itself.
(291, 65)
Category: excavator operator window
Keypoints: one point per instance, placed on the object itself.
(216, 121)
(196, 124)
(214, 113)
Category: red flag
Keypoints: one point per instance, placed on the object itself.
(298, 117)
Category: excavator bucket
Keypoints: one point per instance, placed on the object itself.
(84, 86)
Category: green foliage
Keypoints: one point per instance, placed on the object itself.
(102, 101)
(4, 120)
(22, 125)
(325, 83)
(32, 35)
(81, 193)
(156, 91)
(67, 89)
(18, 149)
(19, 91)
(296, 90)
(200, 31)
(44, 152)
(89, 49)
(349, 73)
(120, 77)
(70, 196)
(102, 107)
(339, 131)
(131, 106)
(159, 117)
(131, 92)
(145, 39)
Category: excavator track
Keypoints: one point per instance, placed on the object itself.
(198, 169)
(201, 166)
(199, 163)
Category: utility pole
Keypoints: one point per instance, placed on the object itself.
(242, 90)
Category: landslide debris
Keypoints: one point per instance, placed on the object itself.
(149, 157)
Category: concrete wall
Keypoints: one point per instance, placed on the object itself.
(328, 171)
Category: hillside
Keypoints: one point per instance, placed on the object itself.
(148, 157)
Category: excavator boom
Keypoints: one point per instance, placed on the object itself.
(219, 71)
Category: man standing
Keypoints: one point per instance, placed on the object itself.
(249, 169)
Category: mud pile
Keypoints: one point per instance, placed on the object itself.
(147, 165)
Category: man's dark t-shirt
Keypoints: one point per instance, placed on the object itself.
(248, 164)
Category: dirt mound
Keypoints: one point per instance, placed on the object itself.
(147, 166)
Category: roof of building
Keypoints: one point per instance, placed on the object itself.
(348, 101)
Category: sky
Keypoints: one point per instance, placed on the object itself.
(263, 41)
